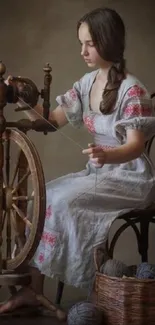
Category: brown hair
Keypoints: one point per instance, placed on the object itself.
(108, 35)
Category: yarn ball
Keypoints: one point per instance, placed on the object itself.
(145, 271)
(115, 268)
(84, 313)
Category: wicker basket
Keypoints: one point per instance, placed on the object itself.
(125, 301)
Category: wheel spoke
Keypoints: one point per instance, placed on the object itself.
(8, 236)
(18, 241)
(16, 168)
(4, 183)
(3, 219)
(23, 198)
(14, 223)
(7, 158)
(22, 216)
(21, 181)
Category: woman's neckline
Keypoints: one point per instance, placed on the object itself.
(95, 74)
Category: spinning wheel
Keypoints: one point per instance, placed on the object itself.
(22, 185)
(16, 198)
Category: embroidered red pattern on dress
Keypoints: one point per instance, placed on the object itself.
(48, 238)
(73, 94)
(69, 98)
(89, 122)
(137, 110)
(136, 91)
(41, 258)
(48, 212)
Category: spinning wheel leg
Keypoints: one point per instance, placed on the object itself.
(11, 280)
(60, 314)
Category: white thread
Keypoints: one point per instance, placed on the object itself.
(67, 137)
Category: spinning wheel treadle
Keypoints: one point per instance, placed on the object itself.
(22, 183)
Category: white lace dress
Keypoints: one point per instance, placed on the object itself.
(82, 206)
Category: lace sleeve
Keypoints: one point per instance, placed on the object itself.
(72, 104)
(136, 113)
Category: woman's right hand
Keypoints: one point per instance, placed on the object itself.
(8, 80)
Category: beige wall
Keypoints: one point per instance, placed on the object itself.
(36, 32)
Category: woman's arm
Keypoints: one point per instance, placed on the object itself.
(132, 149)
(57, 115)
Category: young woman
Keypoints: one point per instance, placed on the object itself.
(116, 109)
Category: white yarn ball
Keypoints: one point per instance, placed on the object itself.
(114, 268)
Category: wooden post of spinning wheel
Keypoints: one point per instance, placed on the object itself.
(2, 128)
(18, 178)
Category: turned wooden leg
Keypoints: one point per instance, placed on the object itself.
(59, 292)
(143, 247)
(61, 315)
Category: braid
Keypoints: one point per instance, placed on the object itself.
(115, 76)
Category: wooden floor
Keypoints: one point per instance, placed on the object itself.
(70, 297)
(30, 321)
(33, 318)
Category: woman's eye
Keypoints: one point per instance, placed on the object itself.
(91, 44)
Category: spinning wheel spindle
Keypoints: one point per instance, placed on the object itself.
(45, 93)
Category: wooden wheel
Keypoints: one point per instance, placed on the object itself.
(23, 185)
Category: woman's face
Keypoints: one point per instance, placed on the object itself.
(88, 50)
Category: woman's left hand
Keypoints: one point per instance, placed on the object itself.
(96, 154)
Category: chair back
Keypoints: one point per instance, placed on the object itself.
(149, 143)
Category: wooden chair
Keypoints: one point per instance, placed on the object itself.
(143, 218)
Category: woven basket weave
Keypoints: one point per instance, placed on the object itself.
(125, 301)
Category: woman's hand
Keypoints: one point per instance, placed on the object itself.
(8, 80)
(132, 149)
(96, 154)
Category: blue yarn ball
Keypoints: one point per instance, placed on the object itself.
(84, 313)
(145, 271)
